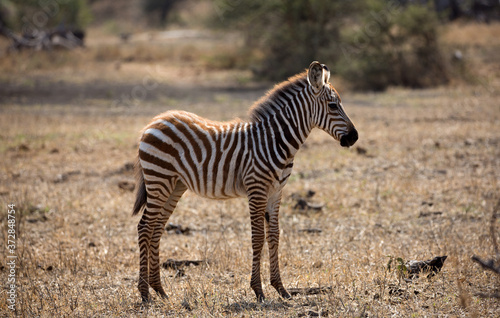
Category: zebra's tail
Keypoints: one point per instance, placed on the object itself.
(140, 196)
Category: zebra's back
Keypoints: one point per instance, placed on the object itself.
(207, 156)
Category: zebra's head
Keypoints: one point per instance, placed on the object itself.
(327, 110)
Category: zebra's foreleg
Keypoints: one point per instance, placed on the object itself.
(273, 238)
(154, 255)
(257, 209)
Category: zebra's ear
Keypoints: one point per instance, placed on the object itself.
(316, 76)
(326, 73)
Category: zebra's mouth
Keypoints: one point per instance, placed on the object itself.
(349, 139)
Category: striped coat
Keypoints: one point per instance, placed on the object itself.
(180, 150)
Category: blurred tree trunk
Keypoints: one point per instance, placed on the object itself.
(455, 11)
(163, 7)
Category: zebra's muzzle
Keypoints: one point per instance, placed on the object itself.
(349, 139)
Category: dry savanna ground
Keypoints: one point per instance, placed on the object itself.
(422, 181)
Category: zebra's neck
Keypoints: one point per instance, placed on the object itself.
(284, 118)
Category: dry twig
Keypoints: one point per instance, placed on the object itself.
(489, 264)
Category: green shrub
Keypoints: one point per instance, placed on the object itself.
(395, 45)
(7, 13)
(32, 15)
(371, 43)
(288, 33)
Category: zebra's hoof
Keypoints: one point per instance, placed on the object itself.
(161, 293)
(260, 297)
(145, 303)
(284, 294)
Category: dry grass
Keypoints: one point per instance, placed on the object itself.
(479, 45)
(192, 48)
(425, 151)
(77, 240)
(479, 34)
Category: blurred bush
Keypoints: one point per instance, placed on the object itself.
(286, 35)
(7, 13)
(395, 45)
(28, 16)
(371, 43)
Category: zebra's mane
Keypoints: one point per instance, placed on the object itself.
(269, 104)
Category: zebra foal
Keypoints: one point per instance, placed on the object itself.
(180, 151)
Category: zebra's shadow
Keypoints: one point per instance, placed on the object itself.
(246, 306)
(279, 305)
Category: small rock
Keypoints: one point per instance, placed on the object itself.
(180, 273)
(173, 264)
(129, 166)
(311, 230)
(433, 266)
(300, 205)
(397, 291)
(126, 185)
(179, 229)
(458, 55)
(361, 150)
(309, 291)
(303, 205)
(426, 214)
(310, 194)
(186, 305)
(125, 36)
(318, 264)
(312, 313)
(23, 147)
(63, 177)
(35, 208)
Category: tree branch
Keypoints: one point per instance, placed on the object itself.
(489, 264)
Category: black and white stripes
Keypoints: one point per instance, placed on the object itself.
(180, 151)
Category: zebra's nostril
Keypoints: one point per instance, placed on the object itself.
(353, 136)
(349, 139)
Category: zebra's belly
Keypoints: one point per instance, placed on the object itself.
(220, 196)
(221, 190)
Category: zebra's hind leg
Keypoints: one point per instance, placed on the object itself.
(273, 238)
(148, 228)
(144, 233)
(154, 257)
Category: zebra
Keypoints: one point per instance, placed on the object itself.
(222, 160)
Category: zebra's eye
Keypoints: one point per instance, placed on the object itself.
(333, 105)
